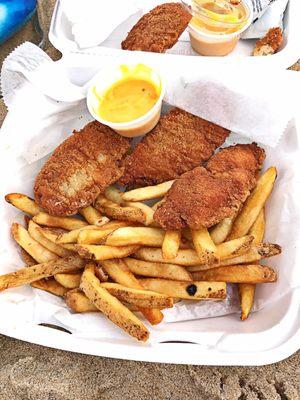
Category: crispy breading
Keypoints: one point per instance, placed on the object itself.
(179, 142)
(270, 43)
(80, 169)
(205, 196)
(158, 30)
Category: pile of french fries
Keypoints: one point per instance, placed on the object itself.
(115, 259)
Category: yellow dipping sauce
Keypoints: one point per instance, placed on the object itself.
(127, 100)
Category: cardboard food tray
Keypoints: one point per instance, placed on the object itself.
(269, 335)
(61, 37)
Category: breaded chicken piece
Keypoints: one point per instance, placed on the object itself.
(179, 142)
(205, 196)
(158, 30)
(80, 168)
(270, 43)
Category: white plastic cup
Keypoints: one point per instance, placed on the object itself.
(208, 44)
(104, 80)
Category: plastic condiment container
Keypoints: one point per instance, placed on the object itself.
(104, 80)
(218, 43)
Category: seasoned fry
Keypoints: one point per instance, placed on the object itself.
(220, 231)
(138, 297)
(234, 247)
(94, 252)
(183, 290)
(114, 210)
(171, 244)
(78, 302)
(203, 243)
(257, 230)
(120, 273)
(51, 286)
(148, 193)
(92, 216)
(101, 274)
(28, 260)
(98, 236)
(69, 246)
(23, 203)
(158, 270)
(251, 273)
(68, 223)
(69, 281)
(254, 204)
(36, 272)
(34, 248)
(144, 236)
(113, 194)
(72, 236)
(256, 253)
(110, 306)
(37, 233)
(246, 297)
(146, 210)
(184, 257)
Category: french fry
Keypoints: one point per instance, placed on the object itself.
(148, 193)
(171, 244)
(101, 274)
(113, 194)
(110, 306)
(120, 273)
(203, 243)
(158, 270)
(114, 210)
(219, 232)
(23, 203)
(99, 252)
(234, 247)
(254, 204)
(257, 230)
(256, 253)
(79, 303)
(69, 281)
(68, 223)
(36, 233)
(144, 236)
(34, 248)
(246, 297)
(70, 246)
(51, 286)
(39, 271)
(138, 297)
(251, 273)
(92, 216)
(72, 236)
(98, 236)
(28, 260)
(146, 210)
(184, 257)
(186, 290)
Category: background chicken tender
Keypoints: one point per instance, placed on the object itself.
(159, 29)
(80, 168)
(179, 142)
(270, 43)
(204, 196)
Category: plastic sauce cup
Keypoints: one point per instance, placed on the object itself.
(218, 44)
(104, 80)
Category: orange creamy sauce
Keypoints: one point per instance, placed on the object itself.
(128, 99)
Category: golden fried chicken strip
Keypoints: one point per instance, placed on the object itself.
(180, 142)
(205, 196)
(80, 169)
(270, 43)
(158, 30)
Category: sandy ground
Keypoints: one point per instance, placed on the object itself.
(30, 372)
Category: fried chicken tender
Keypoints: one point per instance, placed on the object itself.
(204, 196)
(179, 142)
(80, 169)
(270, 43)
(158, 30)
